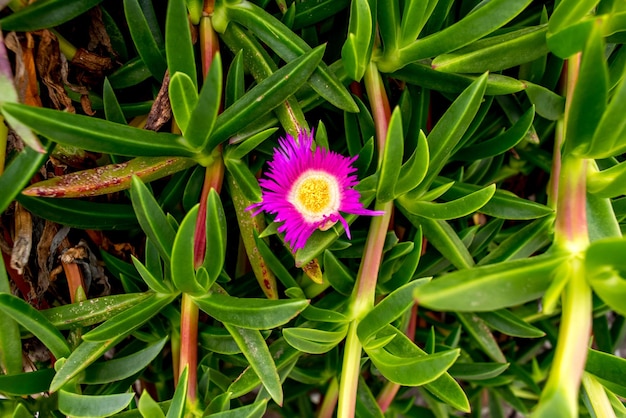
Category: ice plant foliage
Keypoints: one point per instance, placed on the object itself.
(308, 189)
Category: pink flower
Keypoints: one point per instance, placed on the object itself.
(308, 189)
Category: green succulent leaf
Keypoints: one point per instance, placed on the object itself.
(289, 47)
(254, 348)
(589, 99)
(450, 210)
(391, 162)
(265, 96)
(122, 367)
(497, 52)
(451, 127)
(480, 22)
(23, 384)
(415, 168)
(45, 14)
(144, 40)
(605, 271)
(73, 404)
(82, 356)
(501, 143)
(152, 219)
(178, 43)
(131, 319)
(87, 313)
(388, 310)
(177, 407)
(18, 173)
(31, 319)
(96, 135)
(425, 76)
(490, 287)
(202, 118)
(183, 95)
(411, 371)
(314, 341)
(358, 40)
(82, 214)
(215, 252)
(252, 313)
(183, 271)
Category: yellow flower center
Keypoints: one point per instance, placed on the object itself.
(315, 195)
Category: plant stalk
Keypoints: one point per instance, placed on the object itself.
(365, 287)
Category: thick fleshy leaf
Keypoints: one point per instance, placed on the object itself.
(497, 52)
(31, 319)
(183, 95)
(412, 371)
(144, 40)
(501, 143)
(589, 100)
(388, 310)
(250, 313)
(568, 12)
(18, 173)
(444, 387)
(510, 324)
(112, 109)
(182, 266)
(108, 179)
(202, 118)
(22, 384)
(76, 405)
(314, 341)
(503, 204)
(481, 22)
(254, 348)
(356, 50)
(606, 271)
(82, 214)
(451, 127)
(215, 253)
(129, 320)
(177, 407)
(548, 104)
(482, 336)
(265, 96)
(45, 14)
(457, 208)
(82, 356)
(608, 137)
(608, 183)
(122, 367)
(490, 287)
(10, 342)
(95, 134)
(414, 17)
(288, 46)
(415, 168)
(391, 162)
(477, 371)
(245, 179)
(93, 311)
(178, 42)
(425, 76)
(607, 367)
(152, 219)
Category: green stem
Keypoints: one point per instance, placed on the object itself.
(560, 395)
(365, 287)
(327, 408)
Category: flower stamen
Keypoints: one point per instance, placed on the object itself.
(315, 195)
